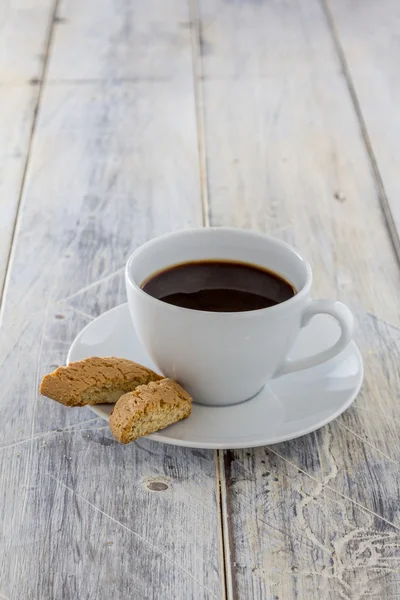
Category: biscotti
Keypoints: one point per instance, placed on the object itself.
(95, 380)
(149, 408)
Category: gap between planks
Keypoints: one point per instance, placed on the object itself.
(226, 528)
(197, 70)
(41, 83)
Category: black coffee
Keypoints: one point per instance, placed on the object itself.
(219, 286)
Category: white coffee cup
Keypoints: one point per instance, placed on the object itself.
(225, 358)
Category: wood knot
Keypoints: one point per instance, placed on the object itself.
(340, 197)
(157, 484)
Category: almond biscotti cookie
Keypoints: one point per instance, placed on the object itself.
(149, 408)
(95, 380)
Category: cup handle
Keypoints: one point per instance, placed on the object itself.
(346, 321)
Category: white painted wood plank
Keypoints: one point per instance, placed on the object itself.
(112, 39)
(16, 113)
(315, 518)
(111, 166)
(273, 37)
(24, 27)
(318, 517)
(280, 152)
(23, 35)
(368, 33)
(302, 538)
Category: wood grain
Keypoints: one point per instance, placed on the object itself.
(316, 517)
(24, 35)
(111, 166)
(17, 104)
(125, 149)
(367, 34)
(24, 26)
(109, 39)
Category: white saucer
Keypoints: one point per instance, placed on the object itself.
(286, 408)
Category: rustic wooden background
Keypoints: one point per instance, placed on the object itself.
(124, 119)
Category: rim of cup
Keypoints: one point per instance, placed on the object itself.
(291, 302)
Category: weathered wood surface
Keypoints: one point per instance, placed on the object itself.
(24, 34)
(367, 37)
(111, 165)
(24, 29)
(109, 39)
(17, 105)
(152, 117)
(316, 518)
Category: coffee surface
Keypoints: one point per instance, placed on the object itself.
(218, 286)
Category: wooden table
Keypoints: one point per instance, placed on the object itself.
(122, 120)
